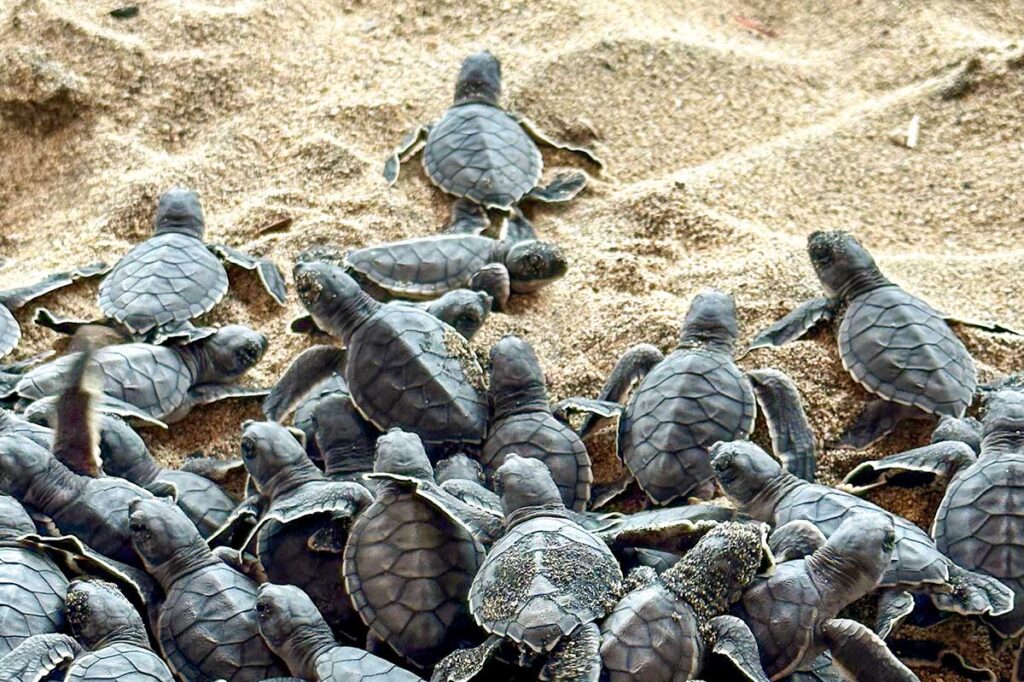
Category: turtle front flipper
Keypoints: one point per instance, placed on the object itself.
(494, 280)
(221, 471)
(269, 275)
(894, 605)
(797, 323)
(734, 641)
(919, 466)
(463, 665)
(877, 420)
(204, 394)
(411, 143)
(862, 654)
(576, 658)
(792, 438)
(939, 656)
(307, 370)
(543, 138)
(14, 299)
(974, 594)
(563, 188)
(38, 656)
(631, 368)
(795, 540)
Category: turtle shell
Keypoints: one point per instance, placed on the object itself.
(10, 332)
(208, 630)
(915, 559)
(899, 348)
(978, 525)
(782, 612)
(302, 418)
(166, 280)
(687, 403)
(32, 591)
(119, 662)
(409, 370)
(409, 566)
(99, 517)
(154, 379)
(423, 268)
(541, 436)
(349, 663)
(650, 635)
(202, 500)
(481, 153)
(542, 580)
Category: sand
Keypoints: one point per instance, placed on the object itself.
(731, 130)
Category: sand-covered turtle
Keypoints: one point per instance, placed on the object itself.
(162, 382)
(759, 486)
(206, 624)
(891, 342)
(114, 636)
(412, 555)
(482, 153)
(666, 630)
(295, 631)
(693, 398)
(522, 422)
(404, 367)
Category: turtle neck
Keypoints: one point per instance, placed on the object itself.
(305, 646)
(531, 397)
(762, 506)
(291, 477)
(185, 560)
(54, 488)
(862, 282)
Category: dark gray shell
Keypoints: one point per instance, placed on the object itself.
(899, 348)
(349, 663)
(167, 279)
(407, 369)
(208, 630)
(542, 580)
(541, 436)
(119, 662)
(32, 592)
(690, 401)
(423, 268)
(202, 500)
(481, 153)
(409, 567)
(978, 526)
(782, 613)
(99, 517)
(302, 418)
(651, 635)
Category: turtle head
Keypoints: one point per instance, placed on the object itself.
(123, 451)
(160, 531)
(479, 80)
(711, 320)
(743, 469)
(335, 300)
(231, 352)
(21, 462)
(459, 467)
(843, 265)
(463, 309)
(99, 614)
(179, 210)
(534, 264)
(14, 520)
(1003, 424)
(525, 482)
(339, 428)
(270, 452)
(290, 623)
(859, 550)
(401, 453)
(515, 370)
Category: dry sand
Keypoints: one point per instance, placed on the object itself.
(731, 130)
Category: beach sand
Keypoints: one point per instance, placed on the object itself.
(730, 131)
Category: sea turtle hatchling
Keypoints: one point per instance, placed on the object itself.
(482, 153)
(295, 631)
(759, 487)
(112, 631)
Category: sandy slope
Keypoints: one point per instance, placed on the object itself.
(725, 147)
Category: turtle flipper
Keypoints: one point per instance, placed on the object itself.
(18, 298)
(76, 440)
(913, 467)
(862, 653)
(239, 524)
(64, 325)
(493, 279)
(38, 656)
(302, 375)
(602, 409)
(797, 323)
(792, 438)
(10, 331)
(820, 669)
(672, 529)
(465, 664)
(974, 594)
(204, 394)
(182, 333)
(795, 540)
(734, 641)
(543, 138)
(633, 366)
(938, 655)
(984, 325)
(517, 228)
(564, 187)
(878, 419)
(468, 217)
(163, 489)
(576, 658)
(220, 471)
(410, 144)
(269, 275)
(894, 605)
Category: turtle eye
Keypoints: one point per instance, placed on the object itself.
(248, 448)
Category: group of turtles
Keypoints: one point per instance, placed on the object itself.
(413, 509)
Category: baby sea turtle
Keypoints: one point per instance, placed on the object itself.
(463, 477)
(345, 440)
(793, 613)
(404, 367)
(300, 538)
(522, 422)
(543, 585)
(891, 342)
(666, 630)
(206, 624)
(693, 398)
(412, 555)
(113, 633)
(31, 586)
(295, 631)
(162, 382)
(482, 153)
(761, 488)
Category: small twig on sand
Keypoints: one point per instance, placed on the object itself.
(756, 26)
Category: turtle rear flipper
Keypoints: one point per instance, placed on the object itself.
(564, 187)
(576, 658)
(540, 136)
(70, 326)
(306, 370)
(877, 420)
(795, 540)
(984, 325)
(410, 144)
(269, 275)
(919, 466)
(974, 594)
(862, 654)
(792, 438)
(734, 641)
(37, 657)
(797, 323)
(465, 664)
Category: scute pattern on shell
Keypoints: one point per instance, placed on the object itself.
(349, 663)
(99, 517)
(481, 153)
(169, 278)
(203, 501)
(543, 579)
(686, 404)
(898, 347)
(31, 596)
(783, 619)
(119, 663)
(422, 268)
